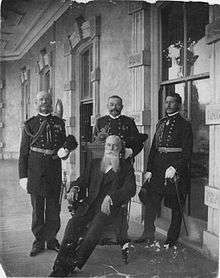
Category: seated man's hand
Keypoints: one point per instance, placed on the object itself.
(23, 183)
(106, 205)
(147, 176)
(73, 194)
(128, 153)
(170, 172)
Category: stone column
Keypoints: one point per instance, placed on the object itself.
(140, 73)
(212, 191)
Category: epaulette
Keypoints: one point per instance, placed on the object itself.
(127, 117)
(56, 117)
(29, 120)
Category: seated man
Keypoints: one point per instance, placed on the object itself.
(111, 183)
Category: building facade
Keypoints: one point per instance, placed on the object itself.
(84, 53)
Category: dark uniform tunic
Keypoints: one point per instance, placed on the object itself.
(122, 126)
(171, 132)
(43, 171)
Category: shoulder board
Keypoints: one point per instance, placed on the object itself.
(57, 118)
(30, 120)
(102, 118)
(127, 117)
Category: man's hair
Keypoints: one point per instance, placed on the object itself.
(116, 96)
(176, 96)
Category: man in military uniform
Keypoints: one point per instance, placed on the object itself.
(116, 124)
(40, 171)
(168, 160)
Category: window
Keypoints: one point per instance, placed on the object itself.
(86, 84)
(25, 94)
(185, 70)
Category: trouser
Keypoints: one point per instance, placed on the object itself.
(74, 230)
(45, 218)
(152, 207)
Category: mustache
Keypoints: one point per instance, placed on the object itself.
(115, 110)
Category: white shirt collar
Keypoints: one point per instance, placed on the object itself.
(45, 115)
(114, 117)
(170, 115)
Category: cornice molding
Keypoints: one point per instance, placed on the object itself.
(40, 26)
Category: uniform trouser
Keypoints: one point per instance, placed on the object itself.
(45, 218)
(152, 207)
(73, 231)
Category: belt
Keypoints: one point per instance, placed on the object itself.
(169, 150)
(44, 151)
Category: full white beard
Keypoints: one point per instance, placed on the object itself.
(110, 159)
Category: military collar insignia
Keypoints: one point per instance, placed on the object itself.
(114, 117)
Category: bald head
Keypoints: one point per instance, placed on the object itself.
(43, 102)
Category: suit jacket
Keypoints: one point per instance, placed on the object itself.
(122, 189)
(122, 126)
(43, 171)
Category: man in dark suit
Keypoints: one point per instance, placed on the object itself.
(169, 159)
(40, 171)
(110, 183)
(116, 124)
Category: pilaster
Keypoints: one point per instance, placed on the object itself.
(212, 191)
(139, 64)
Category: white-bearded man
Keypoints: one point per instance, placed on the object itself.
(110, 182)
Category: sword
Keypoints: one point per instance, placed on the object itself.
(63, 188)
(175, 179)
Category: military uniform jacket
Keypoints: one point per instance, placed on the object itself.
(43, 171)
(171, 132)
(122, 126)
(121, 185)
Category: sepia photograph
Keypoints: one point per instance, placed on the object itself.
(109, 138)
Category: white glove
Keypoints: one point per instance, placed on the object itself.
(63, 153)
(106, 204)
(170, 173)
(23, 183)
(147, 176)
(128, 152)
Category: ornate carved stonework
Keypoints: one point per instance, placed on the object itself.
(140, 59)
(213, 114)
(69, 85)
(95, 26)
(212, 197)
(213, 31)
(95, 75)
(76, 36)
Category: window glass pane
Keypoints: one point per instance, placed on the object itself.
(86, 74)
(47, 81)
(197, 49)
(200, 97)
(172, 40)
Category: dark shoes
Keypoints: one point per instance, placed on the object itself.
(58, 272)
(53, 245)
(169, 243)
(36, 250)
